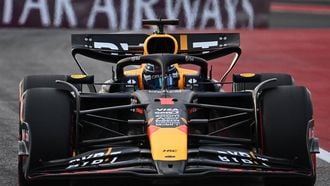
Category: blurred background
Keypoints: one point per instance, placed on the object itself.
(300, 14)
(126, 15)
(283, 36)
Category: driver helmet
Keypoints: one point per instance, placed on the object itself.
(152, 77)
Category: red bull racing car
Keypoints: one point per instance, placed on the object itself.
(162, 118)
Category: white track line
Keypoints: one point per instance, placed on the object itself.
(324, 155)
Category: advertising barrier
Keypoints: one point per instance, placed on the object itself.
(118, 15)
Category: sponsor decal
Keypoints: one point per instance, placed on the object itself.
(127, 14)
(240, 157)
(167, 117)
(93, 158)
(124, 47)
(114, 46)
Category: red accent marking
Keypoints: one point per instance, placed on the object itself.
(139, 110)
(300, 8)
(77, 173)
(183, 128)
(152, 129)
(192, 110)
(25, 137)
(166, 101)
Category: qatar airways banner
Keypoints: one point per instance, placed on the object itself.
(119, 15)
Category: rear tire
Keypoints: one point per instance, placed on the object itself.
(48, 113)
(286, 113)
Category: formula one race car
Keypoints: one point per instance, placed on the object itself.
(162, 118)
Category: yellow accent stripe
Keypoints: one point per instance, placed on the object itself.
(252, 155)
(107, 153)
(78, 76)
(183, 42)
(145, 44)
(247, 75)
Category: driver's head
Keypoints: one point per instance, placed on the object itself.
(152, 77)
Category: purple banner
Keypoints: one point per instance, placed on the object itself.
(119, 15)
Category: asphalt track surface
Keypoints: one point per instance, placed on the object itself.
(26, 52)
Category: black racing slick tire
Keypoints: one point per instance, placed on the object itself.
(39, 81)
(48, 114)
(286, 114)
(250, 81)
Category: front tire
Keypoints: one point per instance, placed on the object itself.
(48, 114)
(286, 114)
(43, 81)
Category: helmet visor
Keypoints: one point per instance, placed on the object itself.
(157, 82)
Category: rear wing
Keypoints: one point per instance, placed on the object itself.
(187, 42)
(113, 47)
